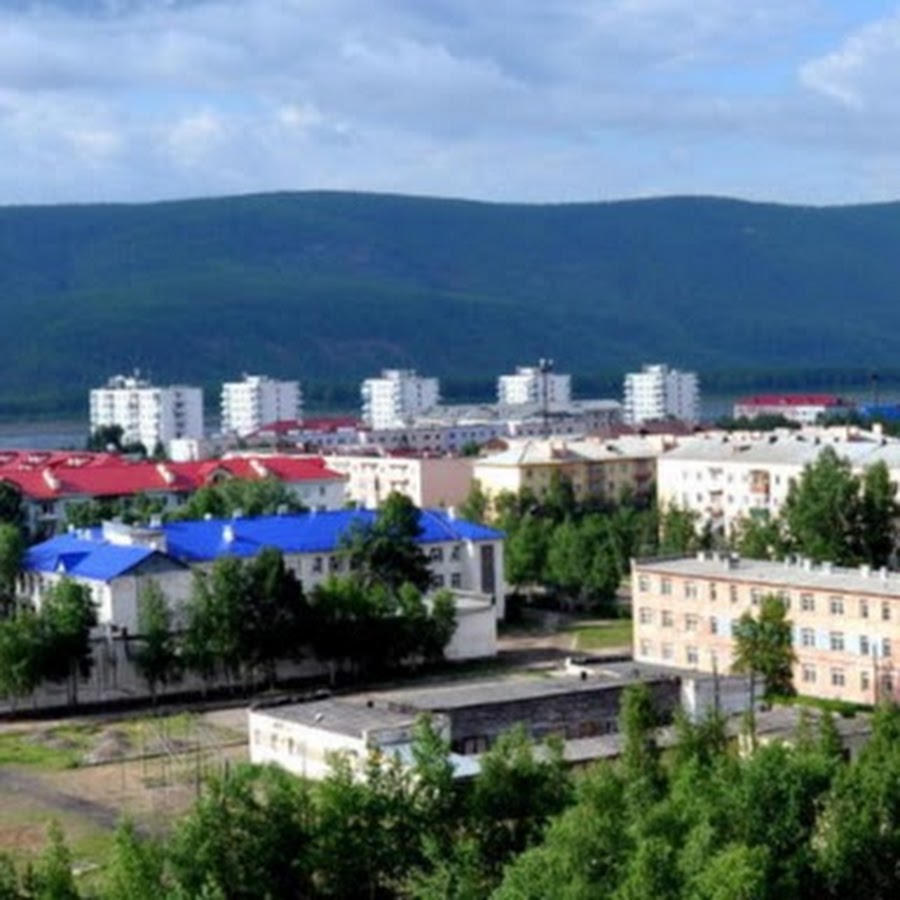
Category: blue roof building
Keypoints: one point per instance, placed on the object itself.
(115, 558)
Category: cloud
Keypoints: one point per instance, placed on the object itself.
(141, 99)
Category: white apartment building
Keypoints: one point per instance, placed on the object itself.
(256, 401)
(533, 385)
(658, 392)
(726, 477)
(147, 414)
(397, 397)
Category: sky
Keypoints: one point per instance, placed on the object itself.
(793, 101)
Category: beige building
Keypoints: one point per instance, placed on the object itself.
(427, 481)
(845, 622)
(596, 468)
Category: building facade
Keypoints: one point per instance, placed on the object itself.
(256, 401)
(658, 392)
(147, 414)
(397, 397)
(845, 622)
(536, 386)
(804, 409)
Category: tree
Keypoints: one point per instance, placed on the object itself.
(67, 616)
(156, 657)
(525, 553)
(276, 616)
(476, 505)
(878, 516)
(763, 647)
(678, 530)
(11, 509)
(105, 437)
(639, 761)
(135, 870)
(12, 551)
(759, 537)
(22, 651)
(387, 551)
(822, 511)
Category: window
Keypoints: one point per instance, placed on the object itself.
(644, 648)
(887, 684)
(785, 598)
(755, 594)
(667, 651)
(667, 620)
(713, 625)
(865, 681)
(886, 611)
(690, 590)
(807, 603)
(436, 554)
(733, 593)
(837, 678)
(455, 580)
(334, 564)
(692, 656)
(645, 615)
(885, 648)
(864, 609)
(691, 623)
(807, 637)
(809, 674)
(665, 586)
(836, 605)
(317, 564)
(836, 640)
(455, 552)
(643, 584)
(437, 581)
(863, 645)
(712, 590)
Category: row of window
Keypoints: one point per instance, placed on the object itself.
(837, 677)
(837, 606)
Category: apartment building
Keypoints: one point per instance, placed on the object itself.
(658, 392)
(397, 397)
(147, 414)
(597, 469)
(429, 481)
(257, 400)
(845, 622)
(724, 477)
(535, 385)
(804, 409)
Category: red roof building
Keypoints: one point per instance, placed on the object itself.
(804, 409)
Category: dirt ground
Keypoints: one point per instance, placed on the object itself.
(142, 769)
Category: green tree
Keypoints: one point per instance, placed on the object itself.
(67, 616)
(156, 657)
(387, 551)
(525, 551)
(476, 505)
(52, 877)
(763, 647)
(759, 537)
(640, 761)
(12, 551)
(135, 870)
(822, 510)
(878, 516)
(276, 618)
(12, 511)
(105, 438)
(678, 530)
(22, 653)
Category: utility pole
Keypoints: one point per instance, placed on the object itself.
(545, 367)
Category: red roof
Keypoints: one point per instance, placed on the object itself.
(45, 476)
(791, 400)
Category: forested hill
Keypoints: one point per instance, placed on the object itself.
(333, 286)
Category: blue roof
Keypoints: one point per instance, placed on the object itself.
(90, 555)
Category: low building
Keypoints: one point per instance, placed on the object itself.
(429, 481)
(462, 556)
(50, 481)
(804, 409)
(845, 622)
(597, 469)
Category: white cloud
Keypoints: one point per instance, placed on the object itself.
(525, 99)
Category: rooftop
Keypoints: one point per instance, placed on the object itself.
(340, 716)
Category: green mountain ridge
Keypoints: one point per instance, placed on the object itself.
(331, 287)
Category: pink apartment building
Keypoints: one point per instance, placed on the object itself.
(845, 622)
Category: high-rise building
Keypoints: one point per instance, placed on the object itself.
(147, 414)
(536, 385)
(658, 392)
(397, 397)
(256, 401)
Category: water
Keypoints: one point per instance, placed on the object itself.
(50, 435)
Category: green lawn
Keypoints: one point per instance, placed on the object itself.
(611, 634)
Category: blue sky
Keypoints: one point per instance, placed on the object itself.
(793, 101)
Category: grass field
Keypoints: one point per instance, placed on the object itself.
(610, 634)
